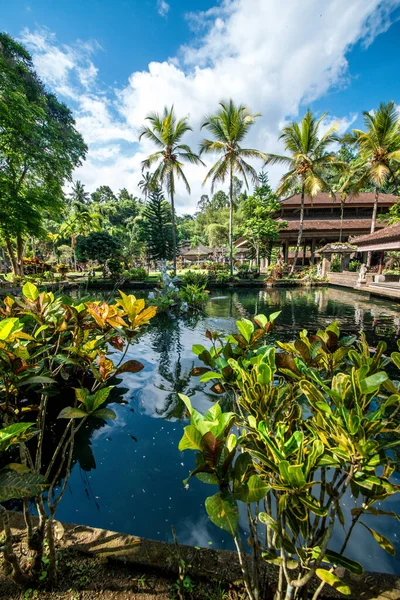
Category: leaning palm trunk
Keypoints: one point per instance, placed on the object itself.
(373, 222)
(231, 222)
(300, 236)
(173, 231)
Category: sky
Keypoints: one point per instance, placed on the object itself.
(114, 62)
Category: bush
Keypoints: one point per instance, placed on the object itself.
(195, 278)
(354, 265)
(194, 295)
(115, 267)
(336, 264)
(138, 274)
(222, 277)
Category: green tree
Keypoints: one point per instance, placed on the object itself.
(166, 132)
(146, 184)
(307, 164)
(104, 195)
(259, 226)
(379, 151)
(157, 226)
(229, 127)
(218, 235)
(98, 245)
(39, 148)
(79, 194)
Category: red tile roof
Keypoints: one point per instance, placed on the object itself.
(362, 199)
(329, 224)
(392, 231)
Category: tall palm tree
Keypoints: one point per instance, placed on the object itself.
(166, 132)
(79, 194)
(379, 150)
(147, 184)
(309, 158)
(229, 127)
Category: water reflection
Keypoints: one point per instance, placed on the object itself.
(128, 475)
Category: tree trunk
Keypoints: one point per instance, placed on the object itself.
(299, 237)
(231, 222)
(11, 254)
(341, 219)
(20, 254)
(373, 222)
(173, 231)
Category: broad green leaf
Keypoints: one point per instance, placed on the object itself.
(371, 384)
(338, 559)
(395, 356)
(100, 397)
(223, 511)
(35, 379)
(15, 434)
(274, 316)
(261, 320)
(253, 490)
(69, 412)
(266, 519)
(30, 291)
(333, 581)
(7, 326)
(210, 375)
(20, 485)
(198, 349)
(81, 394)
(207, 478)
(191, 439)
(130, 366)
(313, 504)
(213, 413)
(382, 540)
(104, 413)
(292, 474)
(246, 328)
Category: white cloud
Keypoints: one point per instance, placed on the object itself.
(163, 8)
(275, 57)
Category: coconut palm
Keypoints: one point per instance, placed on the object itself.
(379, 151)
(147, 184)
(79, 194)
(166, 132)
(229, 127)
(309, 158)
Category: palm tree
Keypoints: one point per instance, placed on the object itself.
(79, 194)
(229, 128)
(309, 157)
(147, 184)
(379, 150)
(166, 132)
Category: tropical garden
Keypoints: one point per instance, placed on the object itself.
(298, 421)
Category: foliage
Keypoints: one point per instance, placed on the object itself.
(336, 264)
(40, 147)
(157, 226)
(98, 245)
(115, 267)
(354, 265)
(48, 344)
(195, 278)
(313, 422)
(194, 296)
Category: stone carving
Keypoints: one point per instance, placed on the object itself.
(362, 273)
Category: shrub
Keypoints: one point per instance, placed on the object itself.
(222, 277)
(195, 296)
(354, 265)
(336, 264)
(115, 267)
(195, 278)
(138, 274)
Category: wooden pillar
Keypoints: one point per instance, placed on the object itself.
(312, 260)
(381, 263)
(303, 262)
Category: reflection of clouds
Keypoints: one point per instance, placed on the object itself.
(197, 533)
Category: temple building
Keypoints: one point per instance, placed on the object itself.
(323, 223)
(381, 241)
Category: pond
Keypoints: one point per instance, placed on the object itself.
(128, 474)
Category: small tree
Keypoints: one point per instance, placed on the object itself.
(157, 227)
(98, 245)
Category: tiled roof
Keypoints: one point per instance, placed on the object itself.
(364, 198)
(392, 231)
(329, 224)
(199, 250)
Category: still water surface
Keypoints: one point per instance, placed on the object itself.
(128, 474)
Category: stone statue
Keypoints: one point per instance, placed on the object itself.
(362, 273)
(319, 269)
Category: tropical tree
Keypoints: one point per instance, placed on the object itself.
(79, 194)
(157, 226)
(379, 151)
(309, 158)
(146, 184)
(229, 127)
(166, 132)
(39, 148)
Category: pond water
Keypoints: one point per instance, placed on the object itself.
(128, 474)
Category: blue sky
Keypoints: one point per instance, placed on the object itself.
(113, 62)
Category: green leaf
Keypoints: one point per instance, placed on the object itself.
(207, 478)
(191, 439)
(333, 581)
(72, 413)
(223, 511)
(104, 413)
(100, 397)
(198, 349)
(266, 519)
(130, 366)
(35, 379)
(210, 375)
(7, 326)
(274, 316)
(382, 540)
(261, 320)
(371, 384)
(15, 434)
(246, 328)
(20, 485)
(292, 474)
(395, 356)
(254, 490)
(30, 291)
(338, 559)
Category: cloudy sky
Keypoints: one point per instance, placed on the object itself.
(114, 62)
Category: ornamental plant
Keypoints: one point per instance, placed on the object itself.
(312, 422)
(48, 345)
